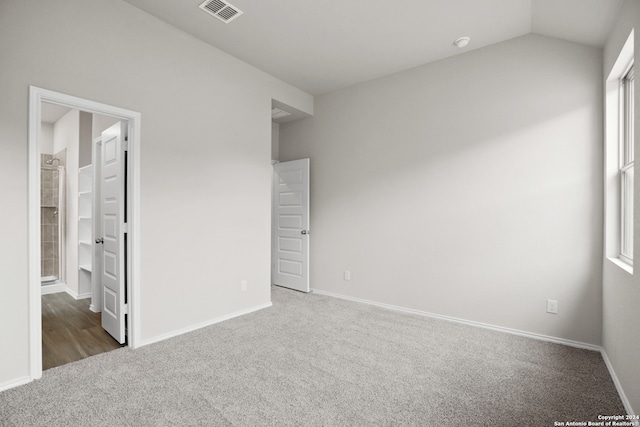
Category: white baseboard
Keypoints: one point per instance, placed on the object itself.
(76, 295)
(202, 325)
(94, 308)
(55, 288)
(570, 343)
(62, 287)
(616, 381)
(540, 337)
(15, 383)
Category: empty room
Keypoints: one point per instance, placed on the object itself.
(318, 213)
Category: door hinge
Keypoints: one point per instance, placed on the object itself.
(125, 309)
(125, 145)
(125, 227)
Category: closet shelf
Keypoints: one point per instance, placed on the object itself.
(85, 268)
(83, 242)
(84, 193)
(84, 218)
(48, 206)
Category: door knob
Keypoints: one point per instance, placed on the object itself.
(304, 232)
(100, 240)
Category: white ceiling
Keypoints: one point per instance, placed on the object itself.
(320, 46)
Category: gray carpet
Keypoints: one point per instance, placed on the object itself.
(315, 360)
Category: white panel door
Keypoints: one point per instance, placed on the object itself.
(290, 252)
(112, 216)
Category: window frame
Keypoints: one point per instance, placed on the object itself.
(626, 163)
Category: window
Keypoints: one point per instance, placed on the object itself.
(626, 168)
(619, 159)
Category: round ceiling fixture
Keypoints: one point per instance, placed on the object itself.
(462, 42)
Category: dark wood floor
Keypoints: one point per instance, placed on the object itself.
(70, 331)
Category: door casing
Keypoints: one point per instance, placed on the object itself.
(36, 97)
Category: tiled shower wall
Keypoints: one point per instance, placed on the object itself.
(49, 203)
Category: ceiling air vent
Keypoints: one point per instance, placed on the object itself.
(221, 10)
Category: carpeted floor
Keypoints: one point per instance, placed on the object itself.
(315, 360)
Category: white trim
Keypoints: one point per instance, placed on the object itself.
(14, 383)
(539, 337)
(620, 263)
(203, 324)
(625, 57)
(616, 382)
(56, 288)
(62, 287)
(76, 296)
(562, 341)
(613, 159)
(96, 284)
(33, 236)
(36, 97)
(625, 146)
(134, 206)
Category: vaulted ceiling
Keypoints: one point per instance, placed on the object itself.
(321, 46)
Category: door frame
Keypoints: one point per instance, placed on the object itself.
(96, 261)
(36, 97)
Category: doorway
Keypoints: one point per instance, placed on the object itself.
(290, 225)
(131, 198)
(289, 209)
(71, 331)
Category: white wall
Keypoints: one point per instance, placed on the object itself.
(470, 187)
(205, 157)
(275, 141)
(46, 138)
(621, 291)
(85, 139)
(66, 134)
(99, 123)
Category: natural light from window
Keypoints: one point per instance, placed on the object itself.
(619, 158)
(626, 167)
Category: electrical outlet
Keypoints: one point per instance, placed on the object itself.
(243, 285)
(347, 275)
(552, 306)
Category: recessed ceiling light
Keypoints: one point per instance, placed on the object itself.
(462, 42)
